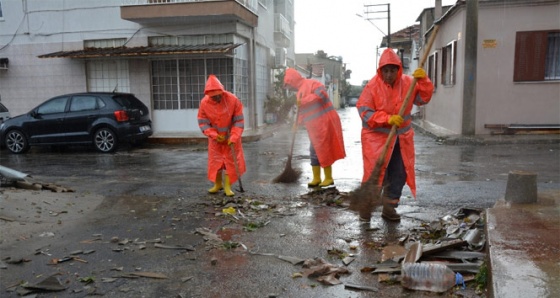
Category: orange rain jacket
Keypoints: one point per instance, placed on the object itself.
(223, 118)
(376, 104)
(320, 118)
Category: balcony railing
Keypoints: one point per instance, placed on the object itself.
(252, 5)
(282, 31)
(190, 11)
(281, 24)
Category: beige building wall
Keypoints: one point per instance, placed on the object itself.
(499, 100)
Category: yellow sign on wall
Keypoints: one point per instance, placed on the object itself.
(489, 43)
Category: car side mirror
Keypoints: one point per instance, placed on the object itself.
(33, 113)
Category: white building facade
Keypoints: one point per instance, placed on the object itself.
(160, 50)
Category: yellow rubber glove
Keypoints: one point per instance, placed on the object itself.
(229, 142)
(395, 120)
(220, 138)
(298, 102)
(419, 73)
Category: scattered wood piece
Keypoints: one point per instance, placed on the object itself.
(359, 287)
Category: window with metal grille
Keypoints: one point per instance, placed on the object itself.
(108, 76)
(448, 62)
(537, 56)
(178, 84)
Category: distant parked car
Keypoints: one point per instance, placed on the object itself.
(103, 119)
(4, 113)
(352, 101)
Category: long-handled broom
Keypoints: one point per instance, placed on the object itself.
(368, 195)
(232, 146)
(290, 175)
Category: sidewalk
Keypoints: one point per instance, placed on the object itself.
(523, 247)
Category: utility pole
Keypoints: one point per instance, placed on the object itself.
(373, 9)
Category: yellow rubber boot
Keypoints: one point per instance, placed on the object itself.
(316, 176)
(227, 188)
(328, 177)
(218, 184)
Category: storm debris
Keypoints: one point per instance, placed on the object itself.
(212, 239)
(359, 287)
(188, 247)
(325, 272)
(50, 283)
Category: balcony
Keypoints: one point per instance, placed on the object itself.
(148, 12)
(281, 31)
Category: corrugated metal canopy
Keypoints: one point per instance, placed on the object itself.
(144, 51)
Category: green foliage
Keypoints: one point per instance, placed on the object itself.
(279, 103)
(252, 226)
(230, 244)
(481, 277)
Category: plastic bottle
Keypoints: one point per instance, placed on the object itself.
(433, 277)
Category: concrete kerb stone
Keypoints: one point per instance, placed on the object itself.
(447, 137)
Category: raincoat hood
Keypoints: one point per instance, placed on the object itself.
(389, 57)
(213, 86)
(292, 78)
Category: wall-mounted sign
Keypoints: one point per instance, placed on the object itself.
(489, 43)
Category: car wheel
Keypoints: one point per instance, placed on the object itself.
(105, 140)
(16, 142)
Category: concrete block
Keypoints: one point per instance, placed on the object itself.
(521, 187)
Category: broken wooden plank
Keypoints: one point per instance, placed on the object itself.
(359, 287)
(429, 249)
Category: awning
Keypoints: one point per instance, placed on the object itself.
(144, 51)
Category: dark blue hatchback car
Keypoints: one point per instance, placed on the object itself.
(103, 119)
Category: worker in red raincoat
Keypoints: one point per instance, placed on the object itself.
(220, 118)
(322, 122)
(379, 106)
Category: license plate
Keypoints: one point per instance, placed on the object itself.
(145, 128)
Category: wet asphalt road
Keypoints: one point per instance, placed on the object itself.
(159, 192)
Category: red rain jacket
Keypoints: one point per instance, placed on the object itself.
(320, 118)
(376, 104)
(223, 118)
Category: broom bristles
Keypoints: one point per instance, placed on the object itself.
(368, 195)
(289, 175)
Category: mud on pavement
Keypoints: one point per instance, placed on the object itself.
(80, 244)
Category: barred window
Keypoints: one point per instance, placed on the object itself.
(178, 84)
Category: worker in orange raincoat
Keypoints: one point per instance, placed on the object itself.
(379, 106)
(220, 118)
(322, 122)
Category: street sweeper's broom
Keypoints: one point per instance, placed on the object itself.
(290, 175)
(368, 196)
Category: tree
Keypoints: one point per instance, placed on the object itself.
(280, 103)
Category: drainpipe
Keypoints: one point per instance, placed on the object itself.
(252, 82)
(469, 74)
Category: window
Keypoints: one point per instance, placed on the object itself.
(83, 103)
(179, 84)
(432, 68)
(537, 56)
(107, 75)
(57, 105)
(1, 13)
(448, 61)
